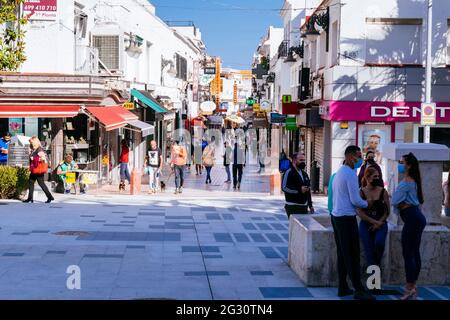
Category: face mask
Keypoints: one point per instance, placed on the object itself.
(376, 182)
(302, 166)
(401, 168)
(358, 164)
(370, 161)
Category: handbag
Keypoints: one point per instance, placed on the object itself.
(42, 166)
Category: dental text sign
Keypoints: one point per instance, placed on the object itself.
(365, 111)
(40, 9)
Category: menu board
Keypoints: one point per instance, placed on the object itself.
(18, 156)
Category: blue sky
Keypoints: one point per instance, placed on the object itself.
(230, 28)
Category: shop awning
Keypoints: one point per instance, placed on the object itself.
(146, 128)
(235, 119)
(148, 100)
(42, 111)
(112, 117)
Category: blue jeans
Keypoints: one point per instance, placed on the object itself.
(447, 212)
(208, 173)
(153, 174)
(227, 170)
(179, 176)
(373, 242)
(415, 223)
(124, 172)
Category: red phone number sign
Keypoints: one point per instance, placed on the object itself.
(40, 9)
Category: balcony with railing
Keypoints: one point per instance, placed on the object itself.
(86, 60)
(283, 49)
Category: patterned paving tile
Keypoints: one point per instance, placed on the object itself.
(98, 255)
(273, 237)
(208, 249)
(261, 273)
(223, 237)
(249, 226)
(241, 237)
(13, 254)
(131, 236)
(209, 273)
(212, 216)
(227, 216)
(285, 292)
(20, 233)
(257, 237)
(263, 226)
(61, 252)
(213, 256)
(269, 253)
(179, 217)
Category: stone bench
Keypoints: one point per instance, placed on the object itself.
(312, 253)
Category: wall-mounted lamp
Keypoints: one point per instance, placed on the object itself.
(344, 125)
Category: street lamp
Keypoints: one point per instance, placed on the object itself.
(428, 65)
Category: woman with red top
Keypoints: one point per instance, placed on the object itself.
(123, 160)
(38, 167)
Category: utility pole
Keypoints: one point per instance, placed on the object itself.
(428, 65)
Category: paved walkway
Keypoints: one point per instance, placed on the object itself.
(203, 247)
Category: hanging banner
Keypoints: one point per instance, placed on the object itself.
(195, 81)
(40, 9)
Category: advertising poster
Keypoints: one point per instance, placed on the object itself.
(40, 9)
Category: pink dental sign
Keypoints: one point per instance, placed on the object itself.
(381, 111)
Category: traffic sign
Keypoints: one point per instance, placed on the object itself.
(265, 105)
(428, 114)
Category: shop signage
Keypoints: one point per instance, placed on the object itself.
(40, 9)
(277, 118)
(128, 105)
(287, 98)
(256, 107)
(208, 106)
(323, 110)
(366, 111)
(18, 156)
(428, 114)
(291, 123)
(290, 108)
(265, 105)
(250, 101)
(206, 79)
(209, 70)
(195, 81)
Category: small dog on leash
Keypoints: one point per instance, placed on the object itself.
(122, 186)
(162, 186)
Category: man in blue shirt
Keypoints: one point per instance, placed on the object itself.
(346, 199)
(4, 143)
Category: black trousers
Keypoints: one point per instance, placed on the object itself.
(348, 252)
(237, 174)
(40, 180)
(295, 209)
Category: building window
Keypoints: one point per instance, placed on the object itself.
(181, 67)
(448, 42)
(334, 43)
(108, 50)
(313, 56)
(393, 41)
(323, 53)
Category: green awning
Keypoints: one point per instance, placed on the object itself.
(146, 99)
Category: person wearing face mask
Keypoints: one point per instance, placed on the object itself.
(346, 199)
(373, 227)
(370, 162)
(296, 187)
(407, 199)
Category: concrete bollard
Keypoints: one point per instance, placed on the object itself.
(135, 183)
(275, 182)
